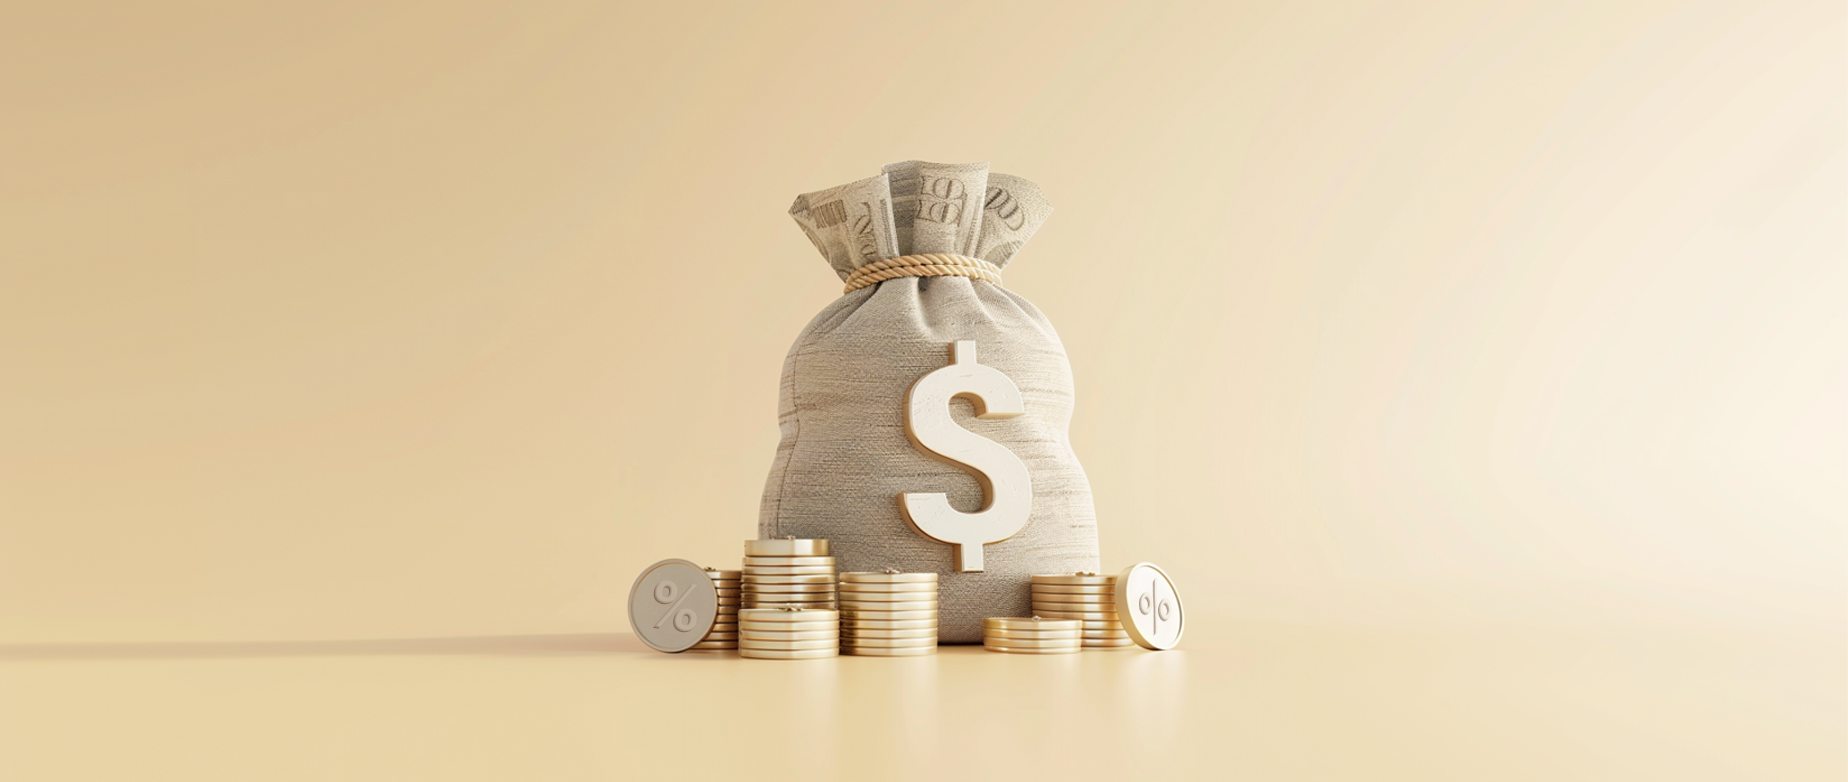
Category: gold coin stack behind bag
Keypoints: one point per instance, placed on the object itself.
(1087, 597)
(788, 572)
(889, 614)
(724, 633)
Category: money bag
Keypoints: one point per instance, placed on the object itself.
(925, 414)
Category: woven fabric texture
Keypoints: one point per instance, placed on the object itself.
(844, 458)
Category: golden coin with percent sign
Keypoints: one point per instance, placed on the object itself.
(672, 605)
(1150, 607)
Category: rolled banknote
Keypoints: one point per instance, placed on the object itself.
(1012, 210)
(851, 224)
(937, 206)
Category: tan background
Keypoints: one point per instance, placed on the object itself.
(348, 321)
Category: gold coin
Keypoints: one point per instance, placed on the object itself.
(867, 632)
(888, 643)
(1034, 643)
(748, 642)
(862, 577)
(889, 605)
(731, 600)
(889, 651)
(786, 547)
(788, 615)
(713, 646)
(788, 627)
(1071, 589)
(750, 589)
(918, 587)
(1151, 607)
(1040, 635)
(722, 575)
(856, 615)
(1097, 616)
(1088, 579)
(800, 635)
(1107, 635)
(757, 572)
(780, 598)
(807, 654)
(822, 577)
(888, 597)
(1029, 623)
(1114, 643)
(888, 624)
(1093, 600)
(720, 637)
(1025, 650)
(788, 561)
(817, 605)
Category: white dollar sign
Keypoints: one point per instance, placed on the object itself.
(1007, 489)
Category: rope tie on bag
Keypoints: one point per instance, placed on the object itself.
(927, 265)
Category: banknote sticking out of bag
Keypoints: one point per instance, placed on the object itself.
(925, 414)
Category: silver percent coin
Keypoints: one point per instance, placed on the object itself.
(1150, 607)
(672, 605)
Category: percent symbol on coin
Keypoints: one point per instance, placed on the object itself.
(1153, 605)
(672, 605)
(669, 592)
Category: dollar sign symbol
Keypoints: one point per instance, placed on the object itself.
(1007, 489)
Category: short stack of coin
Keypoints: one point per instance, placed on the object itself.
(789, 633)
(1087, 597)
(724, 633)
(1035, 635)
(889, 614)
(788, 572)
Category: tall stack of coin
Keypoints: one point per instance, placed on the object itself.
(1087, 597)
(1036, 635)
(789, 633)
(889, 614)
(788, 572)
(724, 634)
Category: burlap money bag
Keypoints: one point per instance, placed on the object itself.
(844, 457)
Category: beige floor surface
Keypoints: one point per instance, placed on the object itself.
(1240, 700)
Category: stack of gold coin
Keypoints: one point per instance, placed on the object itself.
(788, 572)
(889, 614)
(1087, 597)
(1015, 635)
(789, 633)
(724, 633)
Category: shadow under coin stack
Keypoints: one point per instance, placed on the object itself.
(1088, 598)
(724, 633)
(789, 633)
(1017, 635)
(889, 614)
(788, 572)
